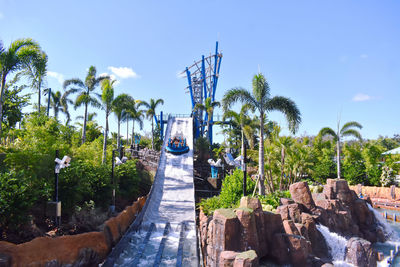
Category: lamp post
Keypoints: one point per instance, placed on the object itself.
(112, 207)
(117, 161)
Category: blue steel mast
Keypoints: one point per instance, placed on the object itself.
(202, 79)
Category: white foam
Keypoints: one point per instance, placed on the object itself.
(335, 242)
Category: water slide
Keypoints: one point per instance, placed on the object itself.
(164, 233)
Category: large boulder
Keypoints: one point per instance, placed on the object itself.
(359, 252)
(223, 234)
(301, 194)
(248, 229)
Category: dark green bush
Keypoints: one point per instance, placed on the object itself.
(16, 199)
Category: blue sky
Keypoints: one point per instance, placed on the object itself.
(331, 57)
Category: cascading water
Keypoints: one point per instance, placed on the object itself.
(336, 244)
(390, 234)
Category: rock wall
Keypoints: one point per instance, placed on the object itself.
(290, 236)
(377, 192)
(88, 249)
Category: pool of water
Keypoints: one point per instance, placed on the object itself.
(394, 238)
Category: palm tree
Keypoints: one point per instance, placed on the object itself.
(107, 98)
(261, 101)
(36, 73)
(135, 115)
(150, 113)
(14, 59)
(208, 107)
(86, 91)
(120, 104)
(59, 103)
(346, 130)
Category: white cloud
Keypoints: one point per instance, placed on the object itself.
(361, 97)
(58, 76)
(363, 56)
(123, 72)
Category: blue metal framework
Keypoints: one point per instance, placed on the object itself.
(202, 79)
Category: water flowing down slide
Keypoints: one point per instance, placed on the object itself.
(164, 233)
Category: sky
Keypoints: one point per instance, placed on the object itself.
(335, 59)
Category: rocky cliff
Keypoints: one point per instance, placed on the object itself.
(290, 236)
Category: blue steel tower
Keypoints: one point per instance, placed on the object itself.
(202, 79)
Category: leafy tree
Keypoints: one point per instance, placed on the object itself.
(353, 164)
(120, 104)
(86, 91)
(14, 102)
(208, 107)
(107, 97)
(36, 73)
(136, 115)
(348, 129)
(151, 112)
(59, 103)
(261, 101)
(14, 59)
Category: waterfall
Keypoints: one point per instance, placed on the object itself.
(335, 242)
(390, 234)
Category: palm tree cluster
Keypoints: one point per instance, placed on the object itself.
(24, 57)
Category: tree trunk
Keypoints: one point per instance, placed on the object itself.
(282, 167)
(152, 134)
(39, 96)
(261, 185)
(338, 158)
(133, 132)
(84, 124)
(127, 131)
(104, 159)
(3, 85)
(119, 124)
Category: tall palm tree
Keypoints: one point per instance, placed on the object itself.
(243, 122)
(261, 101)
(107, 97)
(86, 91)
(36, 73)
(150, 113)
(14, 59)
(59, 103)
(208, 107)
(348, 129)
(120, 104)
(136, 115)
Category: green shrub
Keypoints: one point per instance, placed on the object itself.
(128, 180)
(210, 204)
(16, 199)
(273, 199)
(231, 193)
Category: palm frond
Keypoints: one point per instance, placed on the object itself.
(74, 81)
(328, 131)
(238, 94)
(350, 124)
(353, 133)
(288, 107)
(261, 90)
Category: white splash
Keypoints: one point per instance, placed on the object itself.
(390, 234)
(335, 242)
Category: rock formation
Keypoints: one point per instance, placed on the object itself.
(290, 236)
